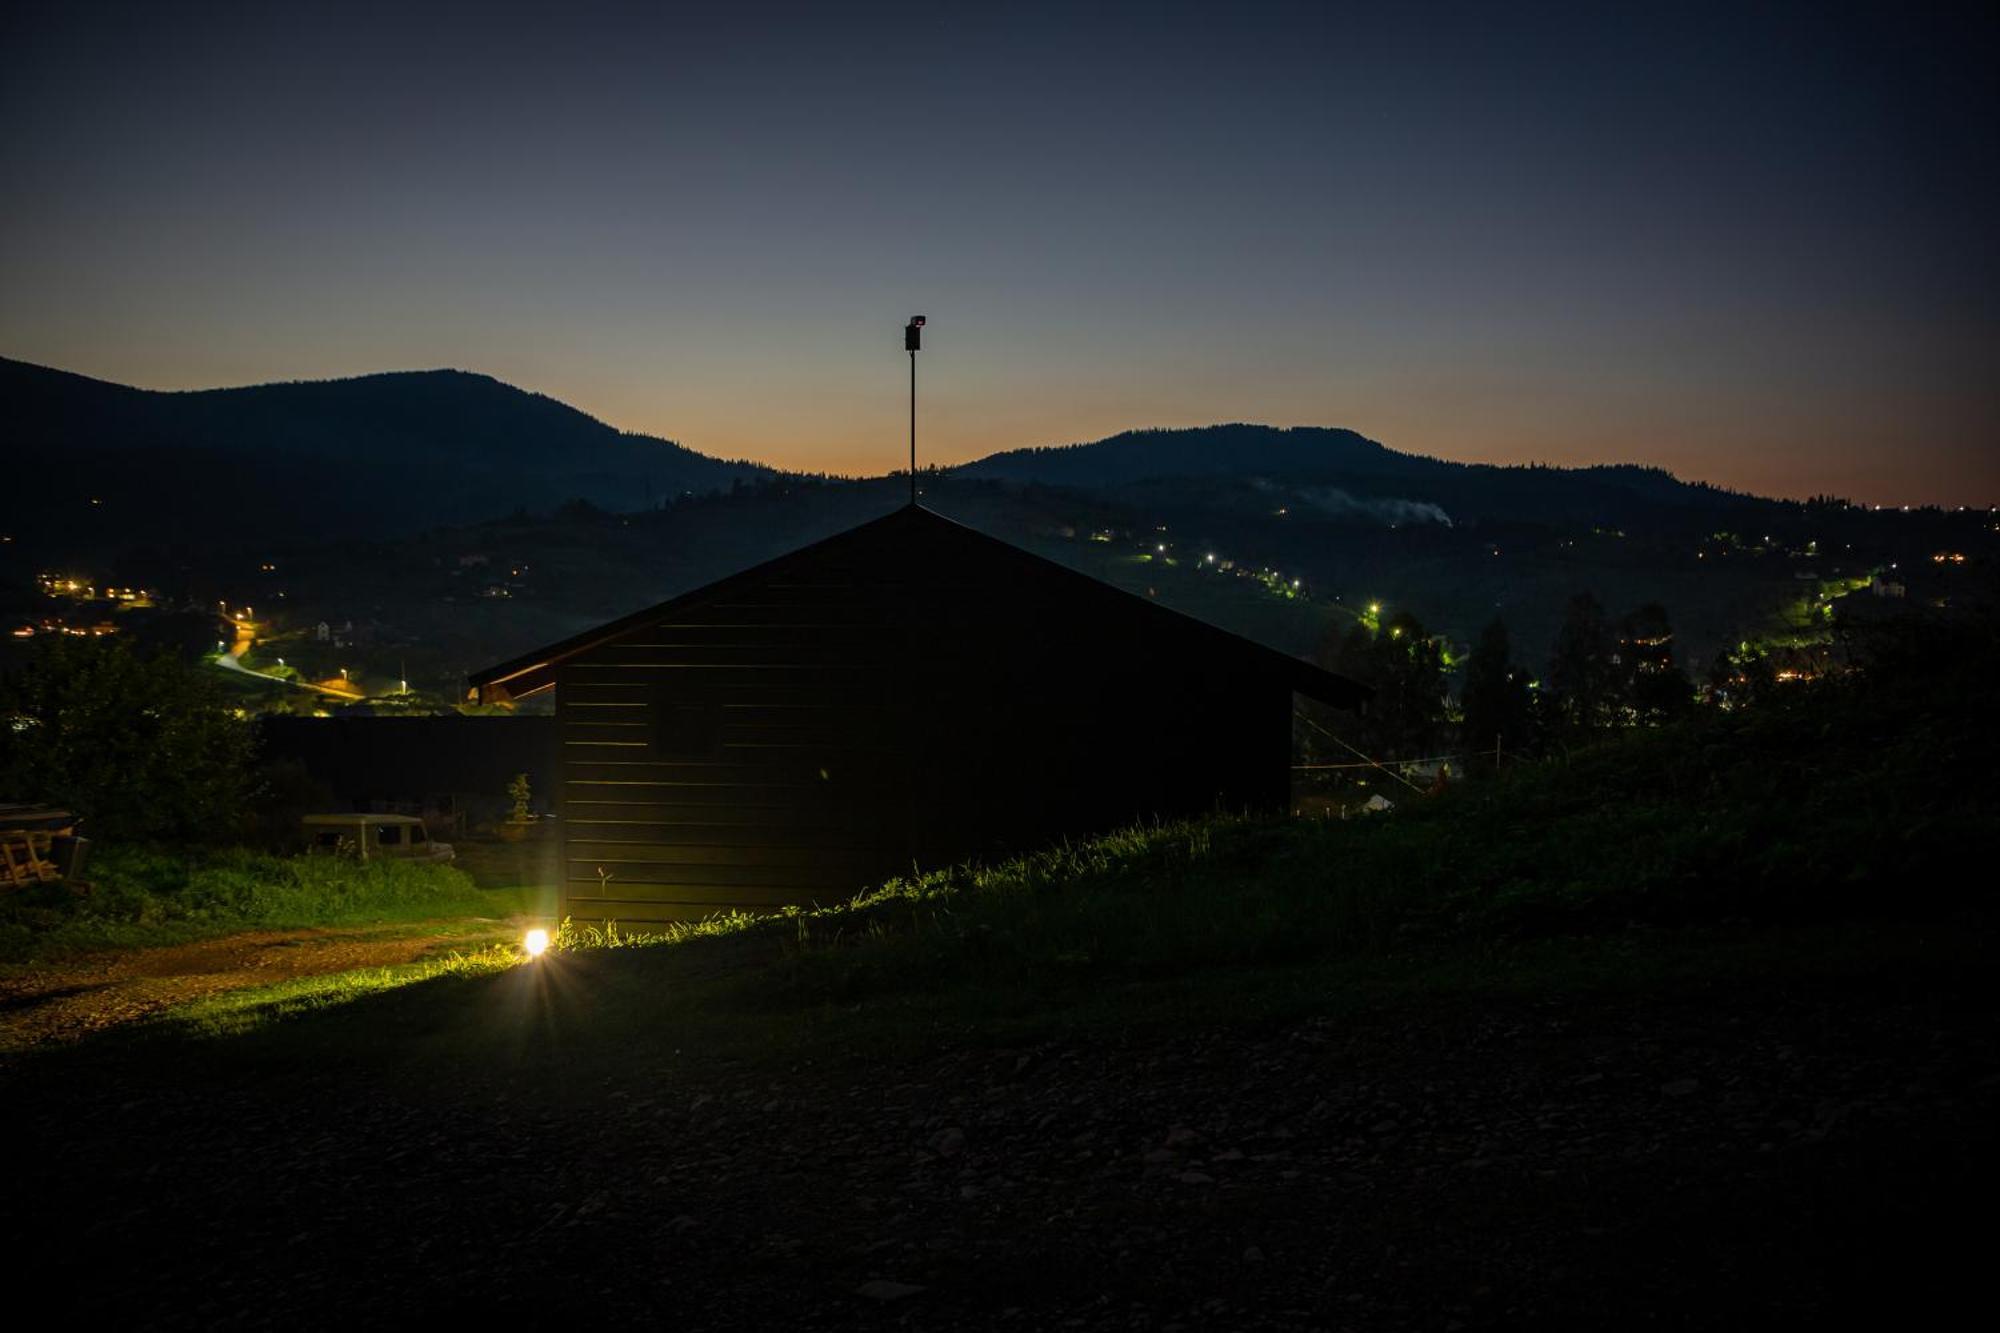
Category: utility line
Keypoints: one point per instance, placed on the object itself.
(1433, 759)
(1372, 762)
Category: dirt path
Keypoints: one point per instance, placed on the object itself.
(74, 998)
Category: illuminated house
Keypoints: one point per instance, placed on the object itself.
(907, 692)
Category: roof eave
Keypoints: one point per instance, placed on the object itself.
(535, 672)
(549, 655)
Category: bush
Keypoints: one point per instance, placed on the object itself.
(137, 893)
(141, 747)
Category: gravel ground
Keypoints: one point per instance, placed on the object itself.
(1780, 1157)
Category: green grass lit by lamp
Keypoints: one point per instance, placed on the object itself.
(233, 1013)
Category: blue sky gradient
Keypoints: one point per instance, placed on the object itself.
(1751, 246)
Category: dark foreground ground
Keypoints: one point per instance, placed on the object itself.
(1807, 1149)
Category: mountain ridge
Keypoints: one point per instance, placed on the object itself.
(371, 494)
(392, 452)
(369, 456)
(1295, 461)
(23, 383)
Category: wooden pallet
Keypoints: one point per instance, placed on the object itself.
(27, 858)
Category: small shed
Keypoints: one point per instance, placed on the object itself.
(910, 692)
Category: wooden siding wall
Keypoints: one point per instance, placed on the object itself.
(799, 740)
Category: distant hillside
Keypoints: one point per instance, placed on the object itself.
(1341, 474)
(376, 456)
(391, 501)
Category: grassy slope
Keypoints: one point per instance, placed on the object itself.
(1841, 806)
(1830, 834)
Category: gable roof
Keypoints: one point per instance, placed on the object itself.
(534, 672)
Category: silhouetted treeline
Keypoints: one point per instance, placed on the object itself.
(1601, 675)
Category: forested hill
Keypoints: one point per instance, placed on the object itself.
(1341, 473)
(374, 456)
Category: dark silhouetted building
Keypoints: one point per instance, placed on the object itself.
(909, 692)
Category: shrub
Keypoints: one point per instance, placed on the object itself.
(136, 891)
(142, 747)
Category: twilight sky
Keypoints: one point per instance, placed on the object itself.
(1756, 248)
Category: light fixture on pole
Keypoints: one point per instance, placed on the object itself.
(913, 341)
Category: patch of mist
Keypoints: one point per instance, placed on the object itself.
(1336, 503)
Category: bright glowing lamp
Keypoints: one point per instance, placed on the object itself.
(536, 943)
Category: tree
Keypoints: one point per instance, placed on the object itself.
(1583, 683)
(142, 747)
(1497, 705)
(1725, 681)
(1741, 678)
(1410, 699)
(1651, 681)
(1405, 667)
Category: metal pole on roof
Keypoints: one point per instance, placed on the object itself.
(913, 341)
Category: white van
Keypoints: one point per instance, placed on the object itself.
(372, 837)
